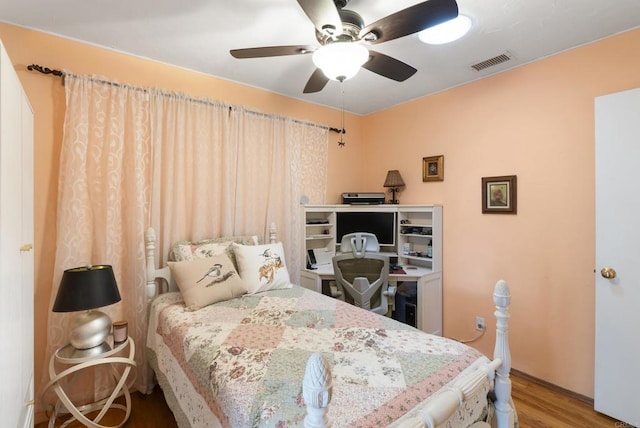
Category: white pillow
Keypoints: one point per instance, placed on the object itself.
(262, 267)
(207, 280)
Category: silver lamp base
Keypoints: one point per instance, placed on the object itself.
(89, 329)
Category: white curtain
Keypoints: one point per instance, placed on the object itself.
(221, 170)
(194, 175)
(279, 161)
(189, 167)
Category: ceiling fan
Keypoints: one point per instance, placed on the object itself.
(338, 28)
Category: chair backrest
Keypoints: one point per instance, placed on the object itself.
(363, 281)
(359, 243)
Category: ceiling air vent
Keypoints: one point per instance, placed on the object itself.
(492, 61)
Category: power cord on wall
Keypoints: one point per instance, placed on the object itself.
(478, 336)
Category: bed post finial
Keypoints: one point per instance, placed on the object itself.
(316, 391)
(273, 234)
(504, 416)
(150, 246)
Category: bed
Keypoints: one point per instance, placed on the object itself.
(289, 356)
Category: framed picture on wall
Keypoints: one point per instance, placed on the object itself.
(433, 168)
(499, 195)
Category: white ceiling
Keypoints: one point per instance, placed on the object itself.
(198, 34)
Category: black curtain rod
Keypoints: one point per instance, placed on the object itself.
(47, 70)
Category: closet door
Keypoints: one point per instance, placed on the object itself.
(617, 353)
(27, 268)
(16, 252)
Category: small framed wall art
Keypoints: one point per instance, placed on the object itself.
(499, 195)
(433, 168)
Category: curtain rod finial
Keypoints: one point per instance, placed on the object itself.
(44, 70)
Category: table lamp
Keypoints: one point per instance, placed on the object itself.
(394, 181)
(84, 289)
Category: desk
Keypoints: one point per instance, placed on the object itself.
(325, 272)
(429, 311)
(76, 360)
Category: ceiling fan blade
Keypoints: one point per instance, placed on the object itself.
(316, 82)
(389, 67)
(323, 14)
(411, 20)
(272, 51)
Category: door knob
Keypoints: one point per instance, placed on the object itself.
(608, 272)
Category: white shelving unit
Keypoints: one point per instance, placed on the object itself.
(320, 231)
(320, 234)
(417, 227)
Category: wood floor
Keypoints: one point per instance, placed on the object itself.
(541, 407)
(537, 407)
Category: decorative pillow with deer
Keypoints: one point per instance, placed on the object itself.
(262, 267)
(207, 280)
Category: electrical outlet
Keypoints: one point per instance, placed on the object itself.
(480, 326)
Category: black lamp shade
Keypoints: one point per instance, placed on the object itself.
(86, 287)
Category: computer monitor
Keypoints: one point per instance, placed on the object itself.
(381, 224)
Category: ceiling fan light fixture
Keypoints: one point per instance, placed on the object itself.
(446, 32)
(340, 60)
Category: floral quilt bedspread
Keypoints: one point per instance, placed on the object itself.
(246, 358)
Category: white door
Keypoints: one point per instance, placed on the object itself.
(16, 254)
(617, 353)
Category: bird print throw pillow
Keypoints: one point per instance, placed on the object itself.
(262, 267)
(206, 281)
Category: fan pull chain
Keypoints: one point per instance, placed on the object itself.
(341, 143)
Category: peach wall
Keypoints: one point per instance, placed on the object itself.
(46, 94)
(536, 122)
